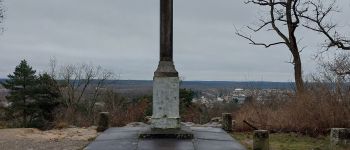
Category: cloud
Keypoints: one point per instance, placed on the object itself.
(123, 36)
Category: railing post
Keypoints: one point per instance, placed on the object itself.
(103, 122)
(227, 122)
(261, 140)
(340, 137)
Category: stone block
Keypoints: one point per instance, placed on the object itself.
(227, 121)
(340, 138)
(261, 140)
(166, 103)
(234, 123)
(103, 123)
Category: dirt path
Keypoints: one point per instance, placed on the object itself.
(34, 139)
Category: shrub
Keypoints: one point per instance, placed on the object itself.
(312, 113)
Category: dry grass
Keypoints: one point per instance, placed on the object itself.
(288, 141)
(313, 113)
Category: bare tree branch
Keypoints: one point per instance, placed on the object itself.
(1, 16)
(317, 17)
(284, 18)
(255, 43)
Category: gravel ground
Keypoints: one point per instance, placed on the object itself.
(28, 144)
(33, 139)
(64, 139)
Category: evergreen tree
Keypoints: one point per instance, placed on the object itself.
(21, 84)
(32, 99)
(186, 96)
(47, 96)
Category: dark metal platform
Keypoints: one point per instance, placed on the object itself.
(127, 138)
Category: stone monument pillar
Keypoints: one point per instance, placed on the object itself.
(166, 79)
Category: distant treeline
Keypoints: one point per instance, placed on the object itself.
(130, 84)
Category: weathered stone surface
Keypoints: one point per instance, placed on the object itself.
(209, 124)
(261, 140)
(166, 69)
(206, 129)
(340, 137)
(212, 124)
(124, 144)
(125, 138)
(136, 124)
(123, 129)
(166, 103)
(217, 145)
(227, 121)
(103, 122)
(148, 119)
(234, 124)
(208, 135)
(165, 144)
(118, 136)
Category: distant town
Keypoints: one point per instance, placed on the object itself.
(207, 92)
(239, 95)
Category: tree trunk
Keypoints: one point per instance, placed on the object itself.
(294, 49)
(24, 113)
(298, 75)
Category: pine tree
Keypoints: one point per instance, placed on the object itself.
(47, 96)
(186, 96)
(21, 84)
(32, 98)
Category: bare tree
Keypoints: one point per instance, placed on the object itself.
(316, 13)
(1, 14)
(334, 73)
(285, 17)
(52, 70)
(338, 67)
(82, 84)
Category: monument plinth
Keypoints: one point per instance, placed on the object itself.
(166, 97)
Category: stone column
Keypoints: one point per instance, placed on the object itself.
(166, 30)
(340, 137)
(166, 79)
(227, 121)
(261, 140)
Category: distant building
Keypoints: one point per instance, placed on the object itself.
(239, 99)
(219, 99)
(239, 89)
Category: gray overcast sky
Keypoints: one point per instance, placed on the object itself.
(123, 36)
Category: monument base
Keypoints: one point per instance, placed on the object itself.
(165, 123)
(180, 133)
(165, 103)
